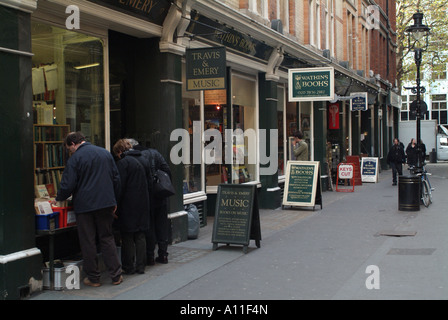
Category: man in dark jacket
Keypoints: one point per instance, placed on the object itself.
(92, 177)
(159, 228)
(396, 158)
(133, 207)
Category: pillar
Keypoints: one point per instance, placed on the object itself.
(20, 260)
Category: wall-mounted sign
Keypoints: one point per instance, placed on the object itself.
(302, 184)
(311, 84)
(359, 102)
(333, 116)
(369, 169)
(153, 11)
(206, 68)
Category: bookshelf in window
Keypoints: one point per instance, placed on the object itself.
(49, 155)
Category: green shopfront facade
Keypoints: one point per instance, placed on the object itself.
(123, 74)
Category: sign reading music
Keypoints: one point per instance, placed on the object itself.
(316, 84)
(237, 217)
(206, 68)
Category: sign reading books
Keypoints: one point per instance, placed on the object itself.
(237, 218)
(206, 68)
(302, 185)
(359, 101)
(307, 84)
(369, 169)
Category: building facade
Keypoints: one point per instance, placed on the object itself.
(117, 68)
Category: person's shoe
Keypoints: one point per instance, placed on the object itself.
(150, 261)
(117, 282)
(87, 282)
(162, 259)
(394, 183)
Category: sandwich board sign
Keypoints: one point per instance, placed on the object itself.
(237, 217)
(302, 185)
(369, 169)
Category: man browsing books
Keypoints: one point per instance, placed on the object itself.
(92, 177)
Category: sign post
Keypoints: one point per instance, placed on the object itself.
(369, 169)
(302, 185)
(237, 217)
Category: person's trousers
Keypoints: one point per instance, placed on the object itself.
(92, 225)
(396, 168)
(159, 230)
(133, 249)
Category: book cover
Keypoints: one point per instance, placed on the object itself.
(41, 191)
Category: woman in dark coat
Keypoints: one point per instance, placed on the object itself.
(133, 207)
(411, 153)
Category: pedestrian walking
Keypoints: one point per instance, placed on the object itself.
(396, 158)
(411, 153)
(301, 147)
(92, 178)
(159, 225)
(133, 207)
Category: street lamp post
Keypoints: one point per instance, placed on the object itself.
(418, 35)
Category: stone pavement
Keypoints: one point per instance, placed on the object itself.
(194, 259)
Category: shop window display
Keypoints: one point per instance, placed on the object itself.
(68, 80)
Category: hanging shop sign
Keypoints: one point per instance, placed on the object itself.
(369, 169)
(206, 68)
(333, 116)
(359, 102)
(153, 11)
(302, 184)
(311, 84)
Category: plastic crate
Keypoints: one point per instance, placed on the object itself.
(45, 221)
(66, 216)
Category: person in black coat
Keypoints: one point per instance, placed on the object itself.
(159, 232)
(91, 176)
(133, 207)
(396, 158)
(411, 153)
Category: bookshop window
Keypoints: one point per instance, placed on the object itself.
(280, 123)
(215, 120)
(305, 123)
(68, 80)
(244, 115)
(191, 118)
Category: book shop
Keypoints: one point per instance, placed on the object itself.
(172, 75)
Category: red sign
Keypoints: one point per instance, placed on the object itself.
(333, 116)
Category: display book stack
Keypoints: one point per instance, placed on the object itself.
(49, 161)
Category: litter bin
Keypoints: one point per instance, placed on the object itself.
(409, 193)
(433, 156)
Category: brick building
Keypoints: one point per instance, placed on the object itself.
(122, 73)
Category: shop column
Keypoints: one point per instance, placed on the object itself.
(320, 132)
(270, 191)
(20, 260)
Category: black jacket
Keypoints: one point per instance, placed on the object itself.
(396, 154)
(133, 203)
(92, 177)
(411, 154)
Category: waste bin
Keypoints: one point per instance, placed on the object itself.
(433, 156)
(409, 193)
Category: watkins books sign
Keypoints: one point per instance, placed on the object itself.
(311, 84)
